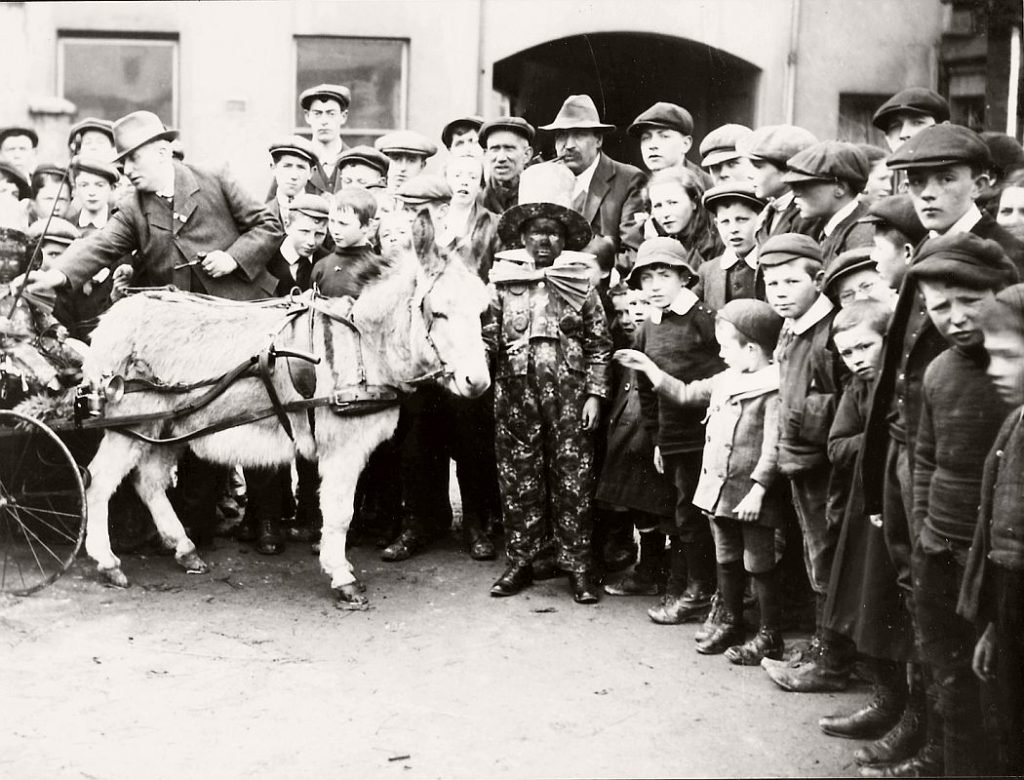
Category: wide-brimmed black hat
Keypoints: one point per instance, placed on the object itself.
(545, 190)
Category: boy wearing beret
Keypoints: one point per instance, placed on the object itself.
(732, 274)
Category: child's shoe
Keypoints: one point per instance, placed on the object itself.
(634, 583)
(726, 634)
(767, 643)
(713, 619)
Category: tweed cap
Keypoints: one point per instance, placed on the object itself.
(732, 191)
(849, 262)
(660, 251)
(14, 174)
(754, 319)
(310, 204)
(785, 247)
(776, 143)
(897, 211)
(941, 145)
(295, 145)
(829, 161)
(668, 116)
(90, 123)
(720, 144)
(7, 132)
(365, 155)
(406, 142)
(513, 124)
(59, 231)
(326, 92)
(545, 190)
(472, 120)
(423, 189)
(96, 167)
(917, 100)
(963, 259)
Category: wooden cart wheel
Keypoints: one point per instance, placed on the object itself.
(42, 505)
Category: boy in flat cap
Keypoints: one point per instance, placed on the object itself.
(18, 145)
(826, 179)
(364, 167)
(897, 232)
(93, 138)
(93, 181)
(325, 108)
(508, 146)
(732, 274)
(292, 160)
(407, 152)
(461, 136)
(854, 277)
(908, 112)
(720, 157)
(51, 192)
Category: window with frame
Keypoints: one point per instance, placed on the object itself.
(108, 75)
(374, 69)
(855, 112)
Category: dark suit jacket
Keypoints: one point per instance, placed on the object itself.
(849, 234)
(210, 212)
(615, 195)
(786, 221)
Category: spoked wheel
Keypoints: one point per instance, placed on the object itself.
(42, 505)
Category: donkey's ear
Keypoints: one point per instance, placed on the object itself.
(423, 242)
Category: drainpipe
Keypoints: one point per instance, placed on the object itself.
(1013, 85)
(789, 106)
(481, 67)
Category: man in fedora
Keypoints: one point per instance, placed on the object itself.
(507, 144)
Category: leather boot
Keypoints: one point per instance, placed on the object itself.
(693, 604)
(408, 542)
(823, 672)
(584, 589)
(927, 763)
(269, 540)
(767, 643)
(480, 546)
(648, 576)
(728, 632)
(713, 619)
(517, 576)
(904, 739)
(879, 715)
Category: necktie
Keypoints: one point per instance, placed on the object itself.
(302, 273)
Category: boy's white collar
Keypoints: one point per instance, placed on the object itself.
(818, 311)
(681, 304)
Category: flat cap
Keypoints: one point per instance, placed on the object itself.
(96, 167)
(471, 120)
(295, 145)
(14, 174)
(849, 262)
(406, 142)
(668, 116)
(829, 161)
(754, 319)
(719, 145)
(732, 191)
(1005, 151)
(513, 124)
(326, 92)
(424, 188)
(918, 100)
(365, 155)
(59, 231)
(786, 247)
(310, 204)
(897, 211)
(7, 132)
(93, 124)
(776, 143)
(941, 145)
(51, 169)
(660, 251)
(963, 259)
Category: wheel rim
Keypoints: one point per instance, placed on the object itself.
(42, 505)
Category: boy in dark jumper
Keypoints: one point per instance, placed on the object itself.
(353, 263)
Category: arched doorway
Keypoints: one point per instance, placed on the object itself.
(626, 72)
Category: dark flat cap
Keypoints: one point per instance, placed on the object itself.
(7, 132)
(719, 145)
(406, 142)
(776, 143)
(732, 191)
(90, 124)
(50, 169)
(754, 319)
(664, 115)
(310, 204)
(1005, 151)
(13, 173)
(849, 262)
(941, 145)
(785, 247)
(295, 145)
(96, 167)
(59, 231)
(829, 161)
(424, 188)
(513, 124)
(897, 211)
(918, 100)
(963, 259)
(660, 251)
(326, 92)
(365, 155)
(472, 120)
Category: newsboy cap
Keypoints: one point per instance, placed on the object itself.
(829, 161)
(8, 132)
(514, 124)
(661, 251)
(719, 145)
(897, 211)
(365, 155)
(310, 204)
(90, 124)
(849, 262)
(406, 142)
(471, 121)
(423, 189)
(786, 247)
(941, 145)
(59, 231)
(295, 145)
(96, 167)
(668, 116)
(963, 259)
(732, 191)
(16, 177)
(336, 92)
(754, 319)
(51, 169)
(776, 143)
(917, 100)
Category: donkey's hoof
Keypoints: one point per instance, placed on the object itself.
(350, 597)
(192, 563)
(114, 577)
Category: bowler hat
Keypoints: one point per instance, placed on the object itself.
(406, 142)
(137, 129)
(963, 259)
(90, 124)
(294, 145)
(7, 132)
(472, 121)
(14, 174)
(423, 189)
(59, 231)
(668, 116)
(917, 100)
(310, 204)
(849, 262)
(326, 92)
(732, 191)
(786, 247)
(513, 124)
(661, 250)
(545, 190)
(897, 211)
(941, 145)
(578, 112)
(754, 319)
(829, 161)
(365, 155)
(95, 166)
(719, 145)
(775, 143)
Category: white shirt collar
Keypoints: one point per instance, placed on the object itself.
(96, 220)
(839, 216)
(782, 202)
(729, 258)
(962, 225)
(681, 304)
(168, 190)
(289, 253)
(584, 179)
(818, 311)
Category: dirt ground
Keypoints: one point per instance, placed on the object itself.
(250, 671)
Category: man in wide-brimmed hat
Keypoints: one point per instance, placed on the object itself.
(605, 192)
(547, 331)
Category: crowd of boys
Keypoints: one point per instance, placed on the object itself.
(784, 382)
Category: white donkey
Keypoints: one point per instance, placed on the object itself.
(420, 320)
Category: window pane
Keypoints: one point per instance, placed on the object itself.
(370, 67)
(110, 78)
